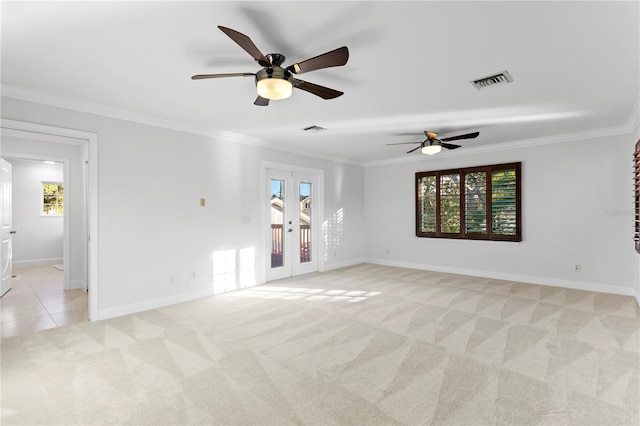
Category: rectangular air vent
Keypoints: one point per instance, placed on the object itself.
(492, 80)
(314, 129)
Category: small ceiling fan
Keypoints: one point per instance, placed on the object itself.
(433, 145)
(275, 82)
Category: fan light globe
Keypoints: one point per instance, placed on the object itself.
(274, 88)
(431, 149)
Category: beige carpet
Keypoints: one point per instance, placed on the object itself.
(362, 345)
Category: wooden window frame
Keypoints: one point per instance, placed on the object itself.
(462, 172)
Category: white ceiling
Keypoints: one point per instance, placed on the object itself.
(575, 67)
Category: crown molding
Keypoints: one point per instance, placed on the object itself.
(525, 143)
(632, 127)
(30, 95)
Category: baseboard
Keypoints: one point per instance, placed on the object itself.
(36, 262)
(338, 265)
(151, 304)
(161, 302)
(187, 297)
(77, 284)
(146, 305)
(553, 282)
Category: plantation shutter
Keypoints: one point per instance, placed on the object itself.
(475, 202)
(503, 202)
(636, 186)
(450, 203)
(426, 201)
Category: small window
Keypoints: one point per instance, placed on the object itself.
(481, 203)
(52, 199)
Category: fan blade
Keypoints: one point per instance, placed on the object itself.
(323, 92)
(467, 136)
(246, 43)
(335, 58)
(260, 101)
(417, 147)
(235, 74)
(402, 143)
(449, 145)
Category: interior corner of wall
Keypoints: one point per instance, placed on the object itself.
(634, 119)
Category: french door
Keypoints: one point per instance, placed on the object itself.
(292, 223)
(5, 227)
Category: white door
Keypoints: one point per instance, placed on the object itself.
(292, 224)
(6, 231)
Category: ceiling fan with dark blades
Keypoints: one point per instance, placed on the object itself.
(274, 82)
(433, 145)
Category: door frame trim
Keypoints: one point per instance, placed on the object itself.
(319, 205)
(6, 196)
(57, 134)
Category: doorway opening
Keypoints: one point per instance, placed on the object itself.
(80, 256)
(40, 192)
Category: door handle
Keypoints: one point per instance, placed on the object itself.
(12, 232)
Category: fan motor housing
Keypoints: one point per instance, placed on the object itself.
(276, 60)
(273, 72)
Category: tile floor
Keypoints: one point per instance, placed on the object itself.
(37, 301)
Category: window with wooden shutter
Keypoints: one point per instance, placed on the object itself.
(472, 203)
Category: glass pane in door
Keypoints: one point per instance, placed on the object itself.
(277, 222)
(305, 222)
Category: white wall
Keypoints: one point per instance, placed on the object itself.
(577, 209)
(38, 240)
(151, 226)
(74, 155)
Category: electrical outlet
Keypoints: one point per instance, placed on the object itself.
(193, 275)
(577, 267)
(172, 279)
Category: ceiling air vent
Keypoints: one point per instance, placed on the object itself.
(314, 129)
(492, 80)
